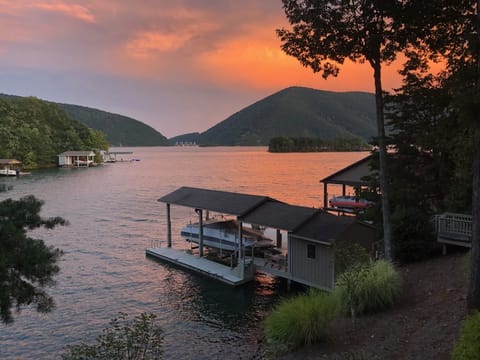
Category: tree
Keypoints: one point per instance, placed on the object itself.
(326, 33)
(27, 265)
(124, 339)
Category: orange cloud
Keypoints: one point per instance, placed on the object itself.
(258, 61)
(72, 10)
(149, 42)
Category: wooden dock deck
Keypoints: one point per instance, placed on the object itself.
(199, 264)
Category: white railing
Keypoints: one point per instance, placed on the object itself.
(450, 223)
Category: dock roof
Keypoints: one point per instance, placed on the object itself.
(351, 175)
(279, 215)
(220, 201)
(9, 162)
(77, 153)
(303, 222)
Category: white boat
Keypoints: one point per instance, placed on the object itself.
(223, 235)
(8, 172)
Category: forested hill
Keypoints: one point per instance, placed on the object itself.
(120, 130)
(297, 112)
(35, 132)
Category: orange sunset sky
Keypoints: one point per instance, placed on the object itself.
(178, 66)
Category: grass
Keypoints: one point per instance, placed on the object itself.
(301, 320)
(368, 288)
(468, 345)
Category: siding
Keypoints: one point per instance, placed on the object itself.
(319, 271)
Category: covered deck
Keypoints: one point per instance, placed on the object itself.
(351, 176)
(9, 167)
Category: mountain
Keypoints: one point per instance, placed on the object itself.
(36, 131)
(297, 112)
(119, 130)
(185, 138)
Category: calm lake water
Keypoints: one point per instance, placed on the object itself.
(114, 215)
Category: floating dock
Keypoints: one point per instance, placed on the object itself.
(231, 276)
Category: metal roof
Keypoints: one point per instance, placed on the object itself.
(9, 162)
(220, 201)
(279, 215)
(351, 175)
(303, 222)
(324, 227)
(77, 153)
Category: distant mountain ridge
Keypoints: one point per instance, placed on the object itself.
(119, 130)
(294, 112)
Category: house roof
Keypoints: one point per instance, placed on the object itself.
(303, 222)
(351, 175)
(77, 153)
(9, 162)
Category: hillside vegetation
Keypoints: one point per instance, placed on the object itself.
(35, 131)
(120, 130)
(297, 112)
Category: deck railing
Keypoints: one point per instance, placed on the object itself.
(454, 229)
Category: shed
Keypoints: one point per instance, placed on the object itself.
(76, 158)
(351, 175)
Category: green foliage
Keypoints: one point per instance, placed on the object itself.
(304, 319)
(368, 288)
(27, 265)
(349, 255)
(137, 339)
(297, 112)
(303, 144)
(468, 345)
(35, 131)
(119, 130)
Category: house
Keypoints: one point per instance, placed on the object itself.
(76, 158)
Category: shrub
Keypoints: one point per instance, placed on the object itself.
(368, 288)
(301, 320)
(348, 255)
(468, 345)
(137, 339)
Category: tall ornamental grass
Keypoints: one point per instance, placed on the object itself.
(468, 344)
(301, 320)
(368, 288)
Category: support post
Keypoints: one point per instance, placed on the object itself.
(200, 234)
(169, 227)
(241, 249)
(343, 189)
(325, 195)
(279, 239)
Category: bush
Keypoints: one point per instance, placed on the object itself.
(468, 345)
(348, 255)
(137, 339)
(368, 288)
(301, 320)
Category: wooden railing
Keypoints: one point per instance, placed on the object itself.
(454, 229)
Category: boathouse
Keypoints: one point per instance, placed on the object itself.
(352, 175)
(311, 235)
(9, 167)
(76, 159)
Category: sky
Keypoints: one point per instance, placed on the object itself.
(178, 66)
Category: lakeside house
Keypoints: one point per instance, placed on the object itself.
(76, 158)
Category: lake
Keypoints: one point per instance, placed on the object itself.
(114, 216)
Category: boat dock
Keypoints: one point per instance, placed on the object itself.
(231, 276)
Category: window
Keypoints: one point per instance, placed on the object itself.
(310, 251)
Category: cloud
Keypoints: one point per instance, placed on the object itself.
(72, 10)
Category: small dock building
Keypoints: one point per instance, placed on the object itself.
(9, 167)
(76, 159)
(311, 235)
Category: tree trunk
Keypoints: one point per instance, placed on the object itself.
(382, 150)
(473, 298)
